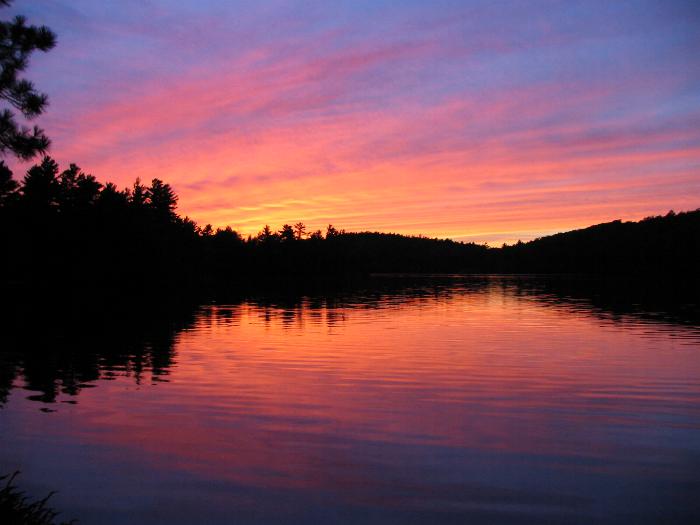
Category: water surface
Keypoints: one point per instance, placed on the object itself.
(455, 400)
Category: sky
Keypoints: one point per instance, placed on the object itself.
(485, 121)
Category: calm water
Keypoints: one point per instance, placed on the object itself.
(451, 401)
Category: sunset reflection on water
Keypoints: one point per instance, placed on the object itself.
(458, 403)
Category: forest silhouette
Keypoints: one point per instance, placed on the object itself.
(65, 230)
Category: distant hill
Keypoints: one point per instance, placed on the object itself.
(669, 243)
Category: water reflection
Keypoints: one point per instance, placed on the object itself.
(72, 350)
(441, 400)
(65, 351)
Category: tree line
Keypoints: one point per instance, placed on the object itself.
(64, 228)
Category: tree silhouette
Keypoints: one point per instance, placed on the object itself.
(331, 231)
(77, 190)
(299, 230)
(8, 186)
(40, 188)
(112, 201)
(266, 236)
(17, 42)
(162, 199)
(287, 233)
(227, 236)
(139, 195)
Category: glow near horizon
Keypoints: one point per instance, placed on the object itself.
(477, 121)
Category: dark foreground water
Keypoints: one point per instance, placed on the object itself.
(457, 400)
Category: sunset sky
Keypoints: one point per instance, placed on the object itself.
(486, 121)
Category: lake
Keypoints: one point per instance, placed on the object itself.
(414, 400)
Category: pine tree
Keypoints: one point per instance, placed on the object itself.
(8, 186)
(299, 230)
(17, 42)
(162, 199)
(40, 187)
(287, 233)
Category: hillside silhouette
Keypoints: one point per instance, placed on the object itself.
(65, 230)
